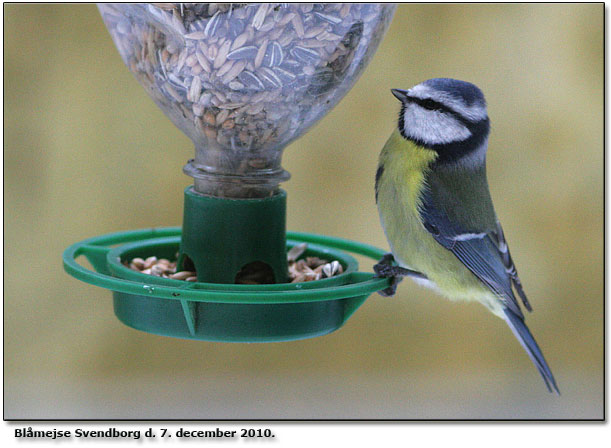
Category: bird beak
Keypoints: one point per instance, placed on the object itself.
(400, 94)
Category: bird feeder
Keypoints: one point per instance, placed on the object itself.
(242, 81)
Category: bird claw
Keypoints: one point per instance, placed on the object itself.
(385, 269)
(392, 289)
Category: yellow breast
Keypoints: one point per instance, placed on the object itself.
(405, 164)
(399, 194)
(399, 189)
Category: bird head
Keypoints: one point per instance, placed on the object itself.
(446, 115)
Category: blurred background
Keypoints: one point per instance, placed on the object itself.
(87, 152)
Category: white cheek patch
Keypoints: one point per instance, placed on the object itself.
(433, 127)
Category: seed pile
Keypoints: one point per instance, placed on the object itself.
(161, 267)
(304, 270)
(245, 78)
(310, 268)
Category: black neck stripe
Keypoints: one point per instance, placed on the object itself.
(451, 152)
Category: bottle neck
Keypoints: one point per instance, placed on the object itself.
(251, 183)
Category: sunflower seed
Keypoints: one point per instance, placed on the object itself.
(259, 16)
(235, 70)
(327, 36)
(176, 81)
(250, 80)
(322, 77)
(291, 64)
(268, 75)
(243, 53)
(305, 55)
(274, 55)
(330, 269)
(173, 93)
(314, 31)
(212, 24)
(284, 75)
(296, 252)
(328, 18)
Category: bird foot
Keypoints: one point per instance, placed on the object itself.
(385, 269)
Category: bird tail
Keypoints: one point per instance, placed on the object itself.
(521, 331)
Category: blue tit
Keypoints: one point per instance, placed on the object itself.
(436, 210)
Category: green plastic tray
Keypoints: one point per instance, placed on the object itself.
(224, 312)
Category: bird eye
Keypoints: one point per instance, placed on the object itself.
(430, 104)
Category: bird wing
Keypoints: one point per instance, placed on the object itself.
(483, 251)
(475, 236)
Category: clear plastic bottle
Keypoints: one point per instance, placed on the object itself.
(244, 80)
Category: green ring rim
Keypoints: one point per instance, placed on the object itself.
(356, 283)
